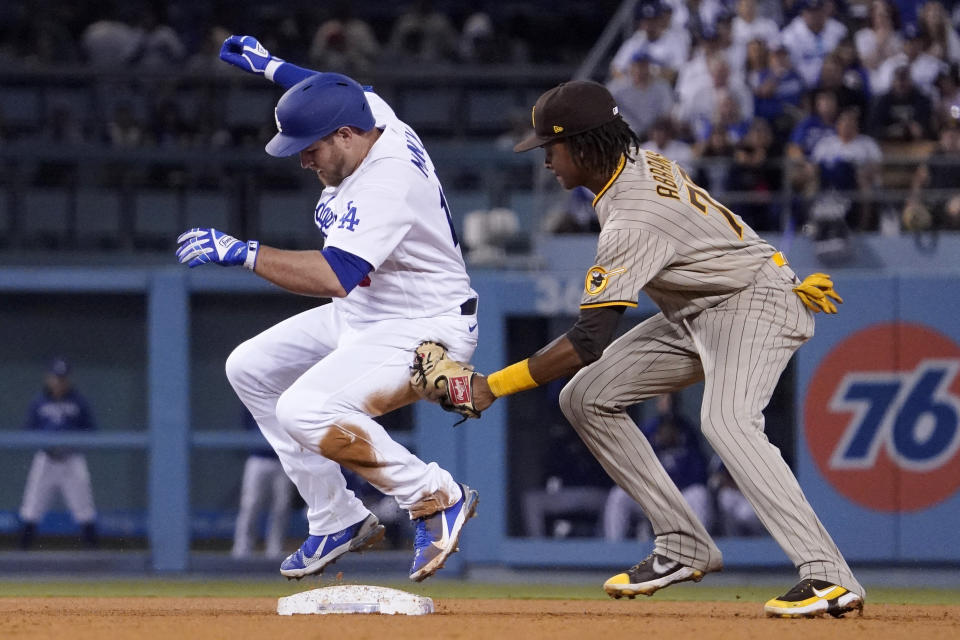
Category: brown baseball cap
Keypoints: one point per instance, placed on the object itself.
(568, 109)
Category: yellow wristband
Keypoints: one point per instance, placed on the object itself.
(511, 379)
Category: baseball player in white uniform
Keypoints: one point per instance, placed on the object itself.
(392, 264)
(732, 314)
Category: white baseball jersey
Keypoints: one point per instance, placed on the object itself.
(393, 196)
(314, 381)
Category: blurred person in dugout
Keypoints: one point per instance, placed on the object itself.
(676, 445)
(265, 488)
(58, 470)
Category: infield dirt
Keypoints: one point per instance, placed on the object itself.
(163, 618)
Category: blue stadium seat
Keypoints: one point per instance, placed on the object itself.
(99, 216)
(427, 109)
(463, 202)
(45, 214)
(77, 100)
(250, 107)
(156, 216)
(4, 217)
(285, 220)
(489, 111)
(208, 209)
(20, 108)
(522, 203)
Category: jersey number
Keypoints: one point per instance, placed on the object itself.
(700, 200)
(446, 210)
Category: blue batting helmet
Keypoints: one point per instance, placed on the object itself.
(316, 107)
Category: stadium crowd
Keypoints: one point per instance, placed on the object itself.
(833, 97)
(801, 112)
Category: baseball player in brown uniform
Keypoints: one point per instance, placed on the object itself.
(732, 314)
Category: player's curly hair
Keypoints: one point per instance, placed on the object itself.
(600, 149)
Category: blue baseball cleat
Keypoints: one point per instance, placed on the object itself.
(317, 552)
(438, 534)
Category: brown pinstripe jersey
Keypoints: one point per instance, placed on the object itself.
(663, 234)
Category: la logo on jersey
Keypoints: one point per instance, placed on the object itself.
(882, 417)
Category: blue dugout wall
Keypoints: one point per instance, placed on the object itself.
(878, 406)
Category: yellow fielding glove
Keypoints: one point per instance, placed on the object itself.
(815, 291)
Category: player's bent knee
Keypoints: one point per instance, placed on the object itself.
(303, 413)
(571, 408)
(576, 404)
(238, 367)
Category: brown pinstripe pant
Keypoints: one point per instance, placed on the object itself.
(739, 348)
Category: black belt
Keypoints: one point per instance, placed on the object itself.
(469, 307)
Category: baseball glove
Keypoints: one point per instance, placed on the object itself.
(815, 291)
(441, 380)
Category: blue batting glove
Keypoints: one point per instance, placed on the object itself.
(200, 246)
(247, 53)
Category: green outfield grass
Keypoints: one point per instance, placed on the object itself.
(437, 590)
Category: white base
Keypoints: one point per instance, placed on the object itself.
(355, 598)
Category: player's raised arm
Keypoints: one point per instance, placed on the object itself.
(246, 53)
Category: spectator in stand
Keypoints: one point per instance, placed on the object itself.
(264, 488)
(748, 26)
(735, 516)
(662, 141)
(642, 97)
(855, 75)
(924, 68)
(670, 47)
(123, 129)
(702, 106)
(936, 184)
(755, 174)
(161, 46)
(849, 88)
(810, 37)
(820, 123)
(168, 126)
(676, 443)
(944, 43)
(947, 104)
(712, 44)
(777, 89)
(693, 15)
(880, 39)
(903, 114)
(485, 42)
(206, 60)
(344, 43)
(715, 153)
(424, 35)
(58, 470)
(848, 163)
(756, 59)
(111, 41)
(53, 44)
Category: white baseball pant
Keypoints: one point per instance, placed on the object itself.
(67, 474)
(313, 383)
